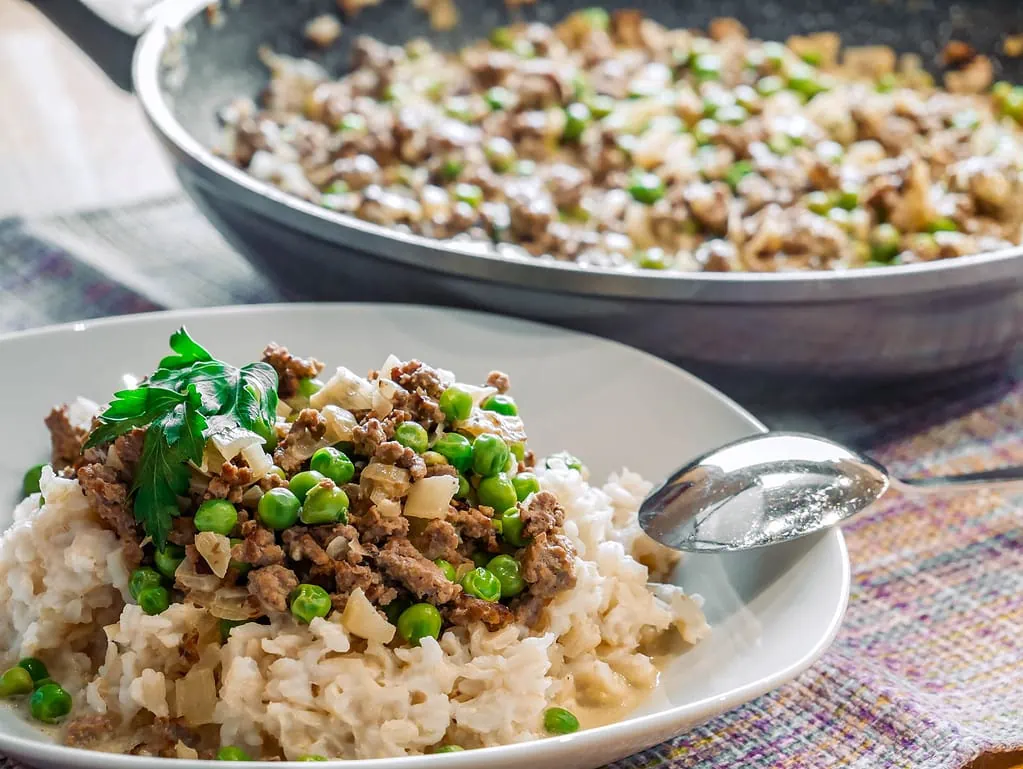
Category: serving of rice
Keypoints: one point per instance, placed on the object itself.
(317, 688)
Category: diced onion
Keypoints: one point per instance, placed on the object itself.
(361, 619)
(430, 497)
(479, 394)
(345, 389)
(233, 603)
(187, 578)
(232, 441)
(215, 549)
(195, 697)
(387, 507)
(340, 423)
(390, 480)
(258, 460)
(390, 363)
(508, 428)
(283, 409)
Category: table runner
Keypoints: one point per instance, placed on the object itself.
(926, 671)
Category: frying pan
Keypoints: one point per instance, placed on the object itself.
(857, 326)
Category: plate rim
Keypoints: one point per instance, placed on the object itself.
(550, 748)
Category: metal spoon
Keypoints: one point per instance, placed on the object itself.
(778, 486)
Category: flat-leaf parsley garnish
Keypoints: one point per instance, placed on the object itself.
(190, 398)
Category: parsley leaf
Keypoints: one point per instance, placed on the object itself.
(190, 397)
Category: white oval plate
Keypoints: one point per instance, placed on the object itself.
(773, 612)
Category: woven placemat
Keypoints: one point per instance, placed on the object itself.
(925, 672)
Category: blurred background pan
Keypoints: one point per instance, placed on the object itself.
(852, 328)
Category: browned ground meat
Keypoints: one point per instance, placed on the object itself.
(543, 514)
(438, 539)
(87, 730)
(368, 437)
(128, 448)
(467, 609)
(109, 499)
(636, 146)
(66, 441)
(400, 561)
(289, 368)
(499, 380)
(548, 566)
(230, 483)
(258, 547)
(307, 429)
(162, 736)
(376, 529)
(271, 586)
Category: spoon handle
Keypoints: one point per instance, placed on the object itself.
(1002, 479)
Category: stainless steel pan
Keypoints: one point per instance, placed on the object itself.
(858, 326)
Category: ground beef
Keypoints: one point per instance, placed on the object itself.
(258, 546)
(416, 376)
(548, 566)
(306, 431)
(435, 470)
(438, 539)
(231, 482)
(271, 586)
(401, 562)
(161, 738)
(368, 437)
(108, 497)
(376, 529)
(542, 515)
(128, 448)
(466, 609)
(473, 523)
(66, 440)
(300, 545)
(393, 453)
(349, 576)
(499, 380)
(182, 531)
(290, 369)
(86, 731)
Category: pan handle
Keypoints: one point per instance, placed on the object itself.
(101, 31)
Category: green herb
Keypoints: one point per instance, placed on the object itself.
(190, 398)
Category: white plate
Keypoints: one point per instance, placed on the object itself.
(773, 612)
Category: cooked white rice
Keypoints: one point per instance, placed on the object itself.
(315, 688)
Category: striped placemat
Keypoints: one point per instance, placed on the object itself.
(925, 672)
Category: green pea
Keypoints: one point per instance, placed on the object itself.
(15, 682)
(502, 404)
(394, 609)
(819, 202)
(227, 625)
(737, 172)
(885, 243)
(154, 600)
(1012, 104)
(143, 578)
(482, 584)
(35, 667)
(500, 153)
(770, 85)
(30, 483)
(653, 259)
(456, 449)
(497, 492)
(706, 66)
(412, 435)
(480, 559)
(216, 515)
(309, 602)
(812, 57)
(301, 483)
(42, 682)
(525, 484)
(887, 83)
(509, 574)
(596, 18)
(456, 403)
(434, 459)
(463, 487)
(705, 131)
(942, 224)
(278, 508)
(518, 450)
(325, 503)
(333, 464)
(419, 621)
(570, 461)
(500, 98)
(49, 704)
(469, 193)
(806, 81)
(308, 387)
(560, 721)
(847, 199)
(232, 753)
(352, 122)
(780, 144)
(600, 105)
(169, 559)
(449, 749)
(511, 528)
(577, 117)
(489, 455)
(502, 37)
(452, 167)
(646, 187)
(311, 757)
(446, 567)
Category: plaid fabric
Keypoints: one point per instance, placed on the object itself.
(925, 670)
